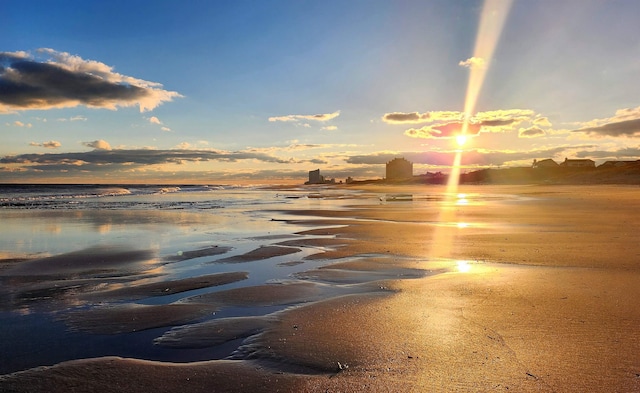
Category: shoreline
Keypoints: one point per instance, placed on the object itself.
(535, 294)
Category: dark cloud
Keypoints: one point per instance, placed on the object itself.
(104, 158)
(62, 80)
(628, 153)
(399, 117)
(499, 122)
(621, 128)
(531, 132)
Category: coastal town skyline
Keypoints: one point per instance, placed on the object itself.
(257, 92)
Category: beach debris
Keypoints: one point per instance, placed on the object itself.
(342, 367)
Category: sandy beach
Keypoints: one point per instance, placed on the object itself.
(495, 288)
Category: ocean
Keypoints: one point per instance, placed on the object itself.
(85, 239)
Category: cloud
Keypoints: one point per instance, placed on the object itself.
(417, 118)
(165, 129)
(329, 128)
(473, 63)
(471, 158)
(627, 153)
(18, 123)
(99, 144)
(319, 117)
(449, 123)
(103, 158)
(48, 145)
(542, 121)
(622, 128)
(446, 130)
(74, 118)
(531, 132)
(53, 79)
(154, 120)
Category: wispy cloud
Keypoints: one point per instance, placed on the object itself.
(319, 117)
(417, 118)
(329, 128)
(18, 123)
(51, 79)
(48, 145)
(154, 120)
(74, 118)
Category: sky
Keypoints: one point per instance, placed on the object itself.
(264, 91)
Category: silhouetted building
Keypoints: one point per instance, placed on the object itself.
(315, 177)
(546, 163)
(578, 163)
(398, 169)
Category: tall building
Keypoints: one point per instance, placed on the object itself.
(315, 177)
(398, 169)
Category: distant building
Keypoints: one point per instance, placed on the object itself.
(618, 164)
(578, 163)
(315, 177)
(398, 169)
(546, 163)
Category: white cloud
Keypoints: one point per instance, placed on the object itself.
(98, 145)
(48, 145)
(18, 123)
(329, 128)
(473, 63)
(154, 120)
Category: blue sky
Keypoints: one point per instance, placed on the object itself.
(254, 91)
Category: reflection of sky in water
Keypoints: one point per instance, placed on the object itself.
(171, 221)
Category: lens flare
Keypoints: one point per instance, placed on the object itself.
(494, 14)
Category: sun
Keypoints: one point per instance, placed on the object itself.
(461, 139)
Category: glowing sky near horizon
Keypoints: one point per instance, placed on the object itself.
(222, 91)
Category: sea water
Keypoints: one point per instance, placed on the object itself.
(39, 221)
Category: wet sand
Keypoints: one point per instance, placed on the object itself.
(536, 289)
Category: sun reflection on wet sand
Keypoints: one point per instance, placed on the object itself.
(463, 266)
(492, 18)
